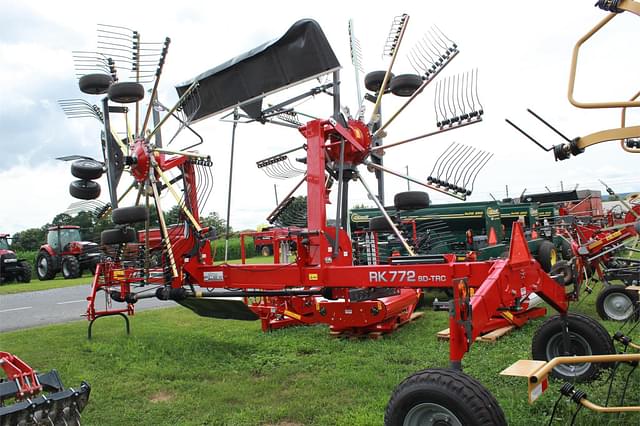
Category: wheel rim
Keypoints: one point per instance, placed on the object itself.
(43, 266)
(578, 346)
(65, 269)
(553, 257)
(618, 306)
(429, 413)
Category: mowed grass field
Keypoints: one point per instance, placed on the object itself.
(180, 369)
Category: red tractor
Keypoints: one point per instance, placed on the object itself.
(12, 268)
(66, 252)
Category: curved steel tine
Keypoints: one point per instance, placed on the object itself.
(477, 169)
(442, 159)
(438, 159)
(453, 43)
(452, 163)
(428, 45)
(470, 166)
(438, 41)
(459, 97)
(415, 68)
(462, 166)
(435, 109)
(443, 93)
(424, 53)
(418, 57)
(445, 160)
(442, 110)
(481, 110)
(449, 95)
(448, 44)
(467, 91)
(478, 172)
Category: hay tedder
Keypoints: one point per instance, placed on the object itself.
(322, 283)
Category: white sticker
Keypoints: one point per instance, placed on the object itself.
(214, 276)
(536, 392)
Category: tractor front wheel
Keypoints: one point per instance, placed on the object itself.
(70, 267)
(586, 337)
(442, 397)
(44, 266)
(547, 255)
(25, 272)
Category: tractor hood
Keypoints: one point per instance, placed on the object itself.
(4, 252)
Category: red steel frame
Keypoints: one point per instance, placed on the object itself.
(495, 285)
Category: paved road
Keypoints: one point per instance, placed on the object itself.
(25, 310)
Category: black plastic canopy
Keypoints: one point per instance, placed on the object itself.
(301, 54)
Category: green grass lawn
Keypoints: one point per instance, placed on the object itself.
(180, 369)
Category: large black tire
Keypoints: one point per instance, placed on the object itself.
(126, 92)
(411, 200)
(95, 84)
(87, 169)
(616, 303)
(118, 236)
(70, 267)
(439, 396)
(405, 85)
(379, 224)
(587, 337)
(127, 215)
(84, 189)
(44, 266)
(564, 269)
(25, 274)
(373, 80)
(567, 252)
(547, 255)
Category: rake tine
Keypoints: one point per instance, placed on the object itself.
(481, 110)
(454, 161)
(424, 54)
(477, 172)
(467, 90)
(466, 179)
(413, 65)
(449, 96)
(438, 159)
(451, 42)
(435, 109)
(463, 162)
(445, 161)
(438, 42)
(428, 45)
(463, 111)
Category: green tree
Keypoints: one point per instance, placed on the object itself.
(214, 220)
(29, 240)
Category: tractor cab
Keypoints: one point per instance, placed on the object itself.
(12, 268)
(4, 242)
(61, 237)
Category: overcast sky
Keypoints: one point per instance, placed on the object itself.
(522, 51)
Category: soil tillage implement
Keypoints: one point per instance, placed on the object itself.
(323, 266)
(31, 398)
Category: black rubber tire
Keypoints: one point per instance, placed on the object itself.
(405, 85)
(126, 92)
(379, 224)
(626, 299)
(547, 255)
(87, 169)
(127, 215)
(374, 79)
(461, 395)
(563, 267)
(70, 267)
(118, 236)
(567, 252)
(45, 271)
(411, 200)
(84, 189)
(95, 84)
(25, 275)
(588, 337)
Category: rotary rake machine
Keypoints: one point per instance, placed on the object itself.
(175, 262)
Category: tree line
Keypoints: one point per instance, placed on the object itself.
(91, 227)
